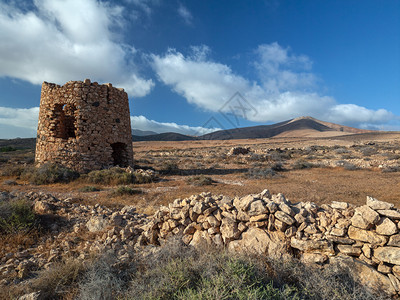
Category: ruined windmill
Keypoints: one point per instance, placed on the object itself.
(84, 126)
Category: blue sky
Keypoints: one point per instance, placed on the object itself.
(182, 61)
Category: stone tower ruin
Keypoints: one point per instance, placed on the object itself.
(84, 126)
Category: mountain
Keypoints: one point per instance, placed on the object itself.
(298, 127)
(139, 132)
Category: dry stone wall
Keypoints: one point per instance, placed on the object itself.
(366, 238)
(84, 126)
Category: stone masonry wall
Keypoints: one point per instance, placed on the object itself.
(365, 239)
(84, 126)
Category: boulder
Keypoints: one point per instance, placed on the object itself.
(366, 236)
(394, 240)
(285, 218)
(376, 204)
(393, 214)
(257, 208)
(339, 205)
(320, 246)
(97, 223)
(201, 239)
(313, 258)
(229, 229)
(255, 240)
(386, 227)
(243, 203)
(388, 254)
(364, 217)
(365, 275)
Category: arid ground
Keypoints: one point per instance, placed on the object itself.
(322, 170)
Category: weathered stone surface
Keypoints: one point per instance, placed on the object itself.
(272, 206)
(313, 258)
(395, 282)
(364, 217)
(394, 240)
(84, 126)
(201, 239)
(366, 275)
(393, 214)
(388, 254)
(366, 236)
(199, 207)
(257, 208)
(31, 296)
(339, 205)
(96, 223)
(284, 217)
(386, 227)
(259, 218)
(42, 207)
(384, 268)
(376, 204)
(259, 241)
(349, 250)
(229, 229)
(244, 202)
(287, 209)
(338, 231)
(312, 245)
(340, 240)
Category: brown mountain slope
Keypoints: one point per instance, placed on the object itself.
(299, 127)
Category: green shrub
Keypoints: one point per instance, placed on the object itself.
(125, 190)
(262, 173)
(14, 170)
(87, 189)
(110, 176)
(302, 164)
(169, 167)
(200, 180)
(8, 149)
(49, 173)
(16, 216)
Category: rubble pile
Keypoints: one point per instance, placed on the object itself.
(365, 238)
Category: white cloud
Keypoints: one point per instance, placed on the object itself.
(18, 122)
(285, 88)
(185, 14)
(68, 40)
(142, 123)
(22, 122)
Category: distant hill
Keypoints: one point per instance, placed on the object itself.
(139, 132)
(19, 143)
(299, 127)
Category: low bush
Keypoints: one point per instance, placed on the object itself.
(14, 170)
(346, 165)
(368, 151)
(200, 180)
(391, 169)
(125, 190)
(302, 164)
(49, 173)
(112, 176)
(169, 167)
(8, 149)
(262, 173)
(54, 282)
(17, 215)
(89, 188)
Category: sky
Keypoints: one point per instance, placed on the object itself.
(197, 66)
